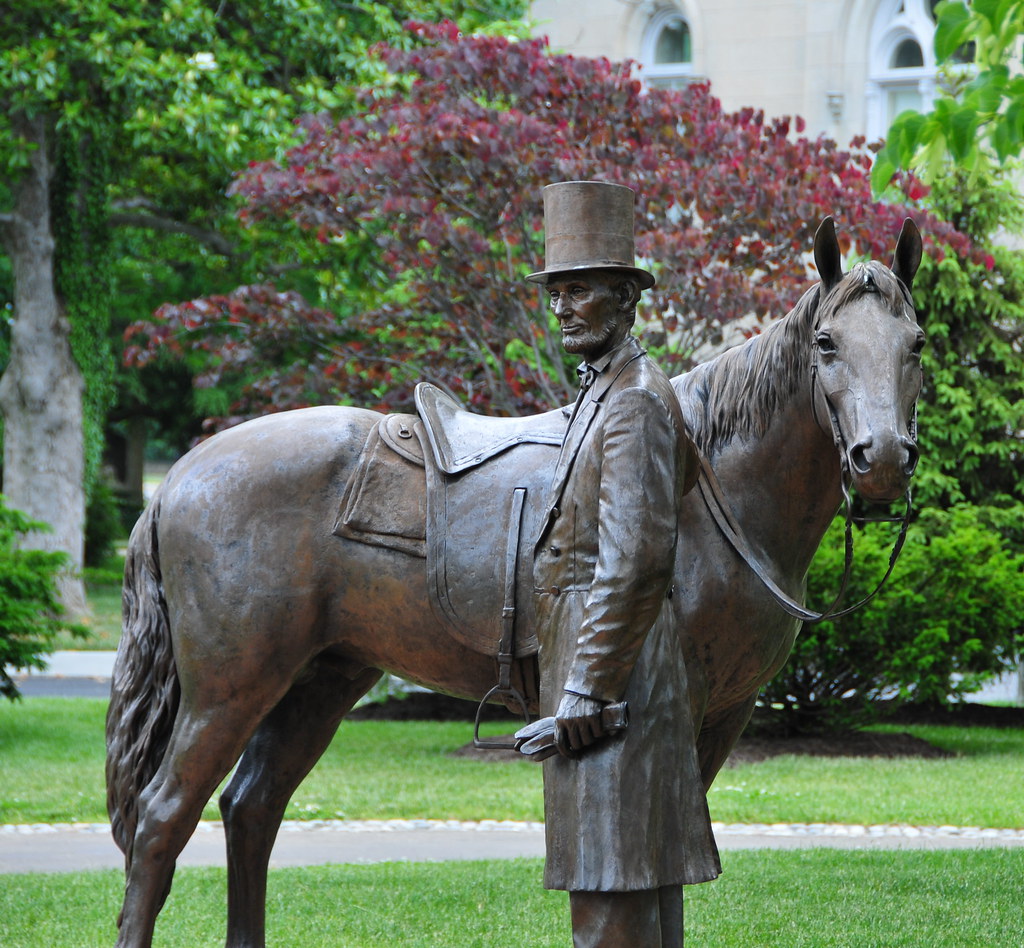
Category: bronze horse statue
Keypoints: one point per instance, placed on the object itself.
(251, 629)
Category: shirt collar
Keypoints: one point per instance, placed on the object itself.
(601, 363)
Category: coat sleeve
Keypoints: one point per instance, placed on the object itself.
(638, 515)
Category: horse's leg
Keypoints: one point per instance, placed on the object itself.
(207, 739)
(718, 735)
(287, 744)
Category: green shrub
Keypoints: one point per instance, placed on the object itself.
(948, 618)
(30, 612)
(104, 523)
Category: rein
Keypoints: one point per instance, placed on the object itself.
(715, 500)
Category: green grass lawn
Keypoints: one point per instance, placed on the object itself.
(103, 590)
(969, 789)
(104, 624)
(790, 899)
(52, 752)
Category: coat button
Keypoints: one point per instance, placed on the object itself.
(555, 550)
(555, 513)
(555, 591)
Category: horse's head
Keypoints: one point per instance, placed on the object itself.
(867, 362)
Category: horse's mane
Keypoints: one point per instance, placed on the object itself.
(738, 392)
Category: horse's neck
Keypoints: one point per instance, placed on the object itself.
(784, 487)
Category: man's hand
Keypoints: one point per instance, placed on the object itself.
(577, 723)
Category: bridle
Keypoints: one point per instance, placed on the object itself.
(715, 500)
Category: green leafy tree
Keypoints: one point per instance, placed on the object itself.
(972, 407)
(133, 115)
(980, 115)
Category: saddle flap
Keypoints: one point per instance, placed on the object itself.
(480, 529)
(384, 503)
(460, 440)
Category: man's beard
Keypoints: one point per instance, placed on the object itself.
(590, 343)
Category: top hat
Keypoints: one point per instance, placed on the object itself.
(588, 226)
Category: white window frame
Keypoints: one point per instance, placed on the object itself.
(891, 26)
(655, 73)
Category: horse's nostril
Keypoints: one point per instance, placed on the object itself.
(859, 457)
(900, 455)
(913, 456)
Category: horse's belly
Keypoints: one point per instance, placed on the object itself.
(382, 618)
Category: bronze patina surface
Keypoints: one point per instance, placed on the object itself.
(251, 629)
(626, 817)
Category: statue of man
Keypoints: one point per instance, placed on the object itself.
(626, 814)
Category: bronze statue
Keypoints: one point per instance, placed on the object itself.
(626, 816)
(251, 627)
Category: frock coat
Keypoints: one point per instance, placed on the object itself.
(630, 812)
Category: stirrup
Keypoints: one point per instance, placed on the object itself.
(498, 691)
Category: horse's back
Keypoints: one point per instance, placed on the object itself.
(267, 456)
(266, 476)
(245, 520)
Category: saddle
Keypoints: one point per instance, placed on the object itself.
(464, 492)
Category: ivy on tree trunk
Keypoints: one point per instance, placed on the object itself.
(41, 389)
(82, 274)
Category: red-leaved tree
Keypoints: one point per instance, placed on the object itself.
(431, 198)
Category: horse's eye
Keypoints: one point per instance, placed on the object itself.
(918, 346)
(826, 346)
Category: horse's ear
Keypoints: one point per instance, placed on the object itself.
(907, 257)
(827, 257)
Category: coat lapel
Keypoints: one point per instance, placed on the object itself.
(574, 438)
(581, 424)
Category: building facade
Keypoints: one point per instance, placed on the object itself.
(847, 67)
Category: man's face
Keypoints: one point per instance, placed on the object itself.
(589, 310)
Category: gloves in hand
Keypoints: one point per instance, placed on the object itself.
(538, 740)
(577, 723)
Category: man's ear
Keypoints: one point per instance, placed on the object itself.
(629, 293)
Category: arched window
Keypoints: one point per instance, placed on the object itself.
(907, 55)
(902, 62)
(667, 50)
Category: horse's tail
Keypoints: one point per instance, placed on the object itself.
(144, 693)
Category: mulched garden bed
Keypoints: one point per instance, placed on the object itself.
(752, 749)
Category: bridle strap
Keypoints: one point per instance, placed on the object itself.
(714, 499)
(711, 492)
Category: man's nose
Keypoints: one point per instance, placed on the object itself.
(559, 304)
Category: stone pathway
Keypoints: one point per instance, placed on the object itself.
(79, 846)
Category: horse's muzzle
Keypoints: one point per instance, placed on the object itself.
(881, 472)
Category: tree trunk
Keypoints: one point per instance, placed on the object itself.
(135, 456)
(41, 389)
